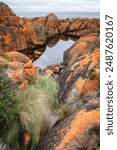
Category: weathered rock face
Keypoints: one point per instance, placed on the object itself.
(78, 75)
(84, 26)
(73, 133)
(82, 46)
(5, 10)
(79, 90)
(52, 21)
(63, 28)
(18, 66)
(39, 21)
(19, 34)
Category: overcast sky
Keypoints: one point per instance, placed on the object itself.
(54, 5)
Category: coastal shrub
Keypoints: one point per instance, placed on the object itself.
(8, 103)
(36, 105)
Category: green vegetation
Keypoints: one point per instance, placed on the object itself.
(92, 75)
(4, 55)
(8, 104)
(34, 110)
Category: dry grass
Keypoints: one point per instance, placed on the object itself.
(38, 109)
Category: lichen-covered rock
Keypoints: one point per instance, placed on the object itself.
(39, 21)
(16, 56)
(78, 131)
(76, 25)
(82, 46)
(79, 91)
(52, 21)
(18, 66)
(12, 39)
(63, 28)
(5, 10)
(84, 26)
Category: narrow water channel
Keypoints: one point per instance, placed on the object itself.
(53, 53)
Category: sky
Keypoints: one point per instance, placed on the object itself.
(54, 5)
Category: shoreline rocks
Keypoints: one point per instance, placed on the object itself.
(78, 75)
(19, 34)
(18, 66)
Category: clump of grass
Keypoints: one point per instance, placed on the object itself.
(38, 109)
(33, 110)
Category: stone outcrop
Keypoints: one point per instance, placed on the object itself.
(19, 34)
(74, 132)
(78, 75)
(5, 10)
(18, 66)
(52, 21)
(79, 91)
(81, 47)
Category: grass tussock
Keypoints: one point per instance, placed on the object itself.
(38, 109)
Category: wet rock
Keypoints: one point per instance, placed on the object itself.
(53, 41)
(64, 37)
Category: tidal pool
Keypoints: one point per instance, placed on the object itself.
(54, 50)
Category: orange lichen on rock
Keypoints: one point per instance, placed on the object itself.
(78, 126)
(28, 64)
(63, 27)
(52, 21)
(79, 84)
(16, 56)
(83, 46)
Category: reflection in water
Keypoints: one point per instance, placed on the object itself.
(54, 51)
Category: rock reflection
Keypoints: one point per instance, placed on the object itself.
(55, 48)
(35, 54)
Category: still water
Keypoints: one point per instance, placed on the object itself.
(54, 51)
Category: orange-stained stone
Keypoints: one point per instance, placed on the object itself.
(30, 72)
(80, 123)
(80, 83)
(28, 64)
(16, 56)
(63, 27)
(76, 25)
(52, 21)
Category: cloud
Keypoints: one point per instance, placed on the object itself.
(54, 5)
